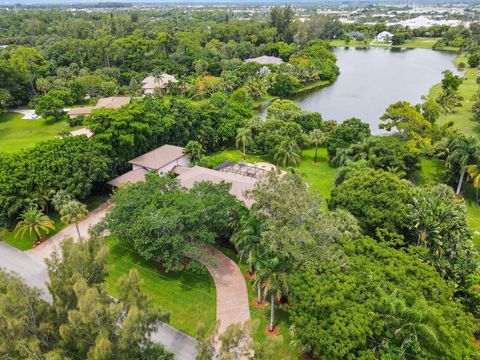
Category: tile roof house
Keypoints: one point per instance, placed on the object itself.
(151, 83)
(266, 60)
(161, 159)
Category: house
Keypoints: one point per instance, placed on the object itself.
(266, 60)
(188, 177)
(82, 131)
(161, 159)
(385, 36)
(112, 102)
(151, 83)
(355, 34)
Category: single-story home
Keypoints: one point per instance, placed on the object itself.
(355, 34)
(112, 102)
(385, 36)
(151, 83)
(266, 60)
(161, 159)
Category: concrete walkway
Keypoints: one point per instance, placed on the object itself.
(232, 296)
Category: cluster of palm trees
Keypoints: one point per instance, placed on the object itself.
(462, 154)
(267, 268)
(287, 152)
(34, 221)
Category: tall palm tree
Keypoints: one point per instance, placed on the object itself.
(465, 151)
(248, 243)
(317, 137)
(473, 172)
(272, 276)
(34, 221)
(287, 153)
(243, 139)
(72, 212)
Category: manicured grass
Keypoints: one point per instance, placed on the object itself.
(17, 134)
(319, 176)
(285, 351)
(417, 43)
(462, 116)
(25, 242)
(189, 297)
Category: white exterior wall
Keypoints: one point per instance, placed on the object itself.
(183, 161)
(148, 91)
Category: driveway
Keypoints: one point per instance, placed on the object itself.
(44, 250)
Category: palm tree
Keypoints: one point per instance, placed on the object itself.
(248, 243)
(194, 151)
(34, 221)
(243, 139)
(317, 137)
(465, 151)
(287, 153)
(473, 172)
(273, 279)
(72, 212)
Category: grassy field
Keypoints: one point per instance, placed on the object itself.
(189, 297)
(263, 316)
(467, 90)
(25, 242)
(17, 134)
(417, 43)
(320, 176)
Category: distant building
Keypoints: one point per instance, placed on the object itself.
(82, 131)
(385, 36)
(355, 34)
(424, 22)
(266, 60)
(151, 83)
(113, 102)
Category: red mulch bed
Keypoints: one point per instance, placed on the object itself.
(250, 276)
(259, 306)
(305, 357)
(275, 331)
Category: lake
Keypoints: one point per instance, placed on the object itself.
(373, 78)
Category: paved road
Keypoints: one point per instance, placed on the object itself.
(33, 272)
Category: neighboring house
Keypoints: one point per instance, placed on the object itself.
(157, 82)
(356, 34)
(266, 60)
(385, 36)
(112, 102)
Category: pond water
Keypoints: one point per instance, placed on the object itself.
(373, 78)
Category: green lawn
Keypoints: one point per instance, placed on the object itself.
(468, 90)
(263, 315)
(17, 134)
(320, 176)
(417, 43)
(189, 297)
(25, 242)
